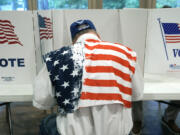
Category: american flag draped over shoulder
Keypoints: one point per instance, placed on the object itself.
(7, 34)
(45, 27)
(107, 76)
(94, 73)
(65, 68)
(172, 32)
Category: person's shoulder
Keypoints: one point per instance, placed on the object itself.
(56, 52)
(126, 48)
(121, 48)
(60, 50)
(54, 57)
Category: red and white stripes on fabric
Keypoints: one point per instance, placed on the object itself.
(107, 74)
(7, 34)
(47, 32)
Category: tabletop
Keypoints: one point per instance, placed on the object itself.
(16, 93)
(156, 87)
(161, 87)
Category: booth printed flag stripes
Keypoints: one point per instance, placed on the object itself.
(45, 27)
(172, 32)
(7, 34)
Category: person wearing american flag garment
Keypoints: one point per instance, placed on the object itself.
(92, 82)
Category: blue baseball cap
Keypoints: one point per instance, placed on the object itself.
(80, 25)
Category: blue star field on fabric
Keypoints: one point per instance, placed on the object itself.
(65, 67)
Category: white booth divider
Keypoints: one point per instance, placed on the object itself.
(17, 56)
(106, 22)
(38, 52)
(163, 42)
(133, 26)
(43, 31)
(59, 29)
(162, 56)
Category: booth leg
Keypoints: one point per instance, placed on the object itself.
(9, 118)
(160, 112)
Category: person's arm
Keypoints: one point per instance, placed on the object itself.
(137, 84)
(43, 97)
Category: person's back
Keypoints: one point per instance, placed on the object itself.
(110, 80)
(108, 73)
(105, 101)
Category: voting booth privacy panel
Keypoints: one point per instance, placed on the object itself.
(163, 42)
(106, 22)
(127, 27)
(133, 26)
(59, 29)
(17, 52)
(43, 34)
(161, 77)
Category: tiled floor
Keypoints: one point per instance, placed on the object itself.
(26, 119)
(152, 119)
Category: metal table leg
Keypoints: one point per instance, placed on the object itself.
(8, 109)
(8, 116)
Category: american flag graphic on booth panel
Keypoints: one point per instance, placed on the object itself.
(7, 34)
(45, 27)
(171, 32)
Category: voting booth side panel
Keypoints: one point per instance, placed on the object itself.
(105, 21)
(163, 42)
(59, 29)
(133, 25)
(43, 33)
(45, 24)
(17, 55)
(38, 51)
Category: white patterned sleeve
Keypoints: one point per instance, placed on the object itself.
(43, 97)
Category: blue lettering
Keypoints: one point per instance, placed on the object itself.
(12, 62)
(20, 62)
(3, 62)
(176, 52)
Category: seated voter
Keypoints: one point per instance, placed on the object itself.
(93, 83)
(170, 115)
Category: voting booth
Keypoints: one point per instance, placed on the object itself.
(162, 61)
(163, 42)
(25, 38)
(153, 33)
(133, 28)
(17, 55)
